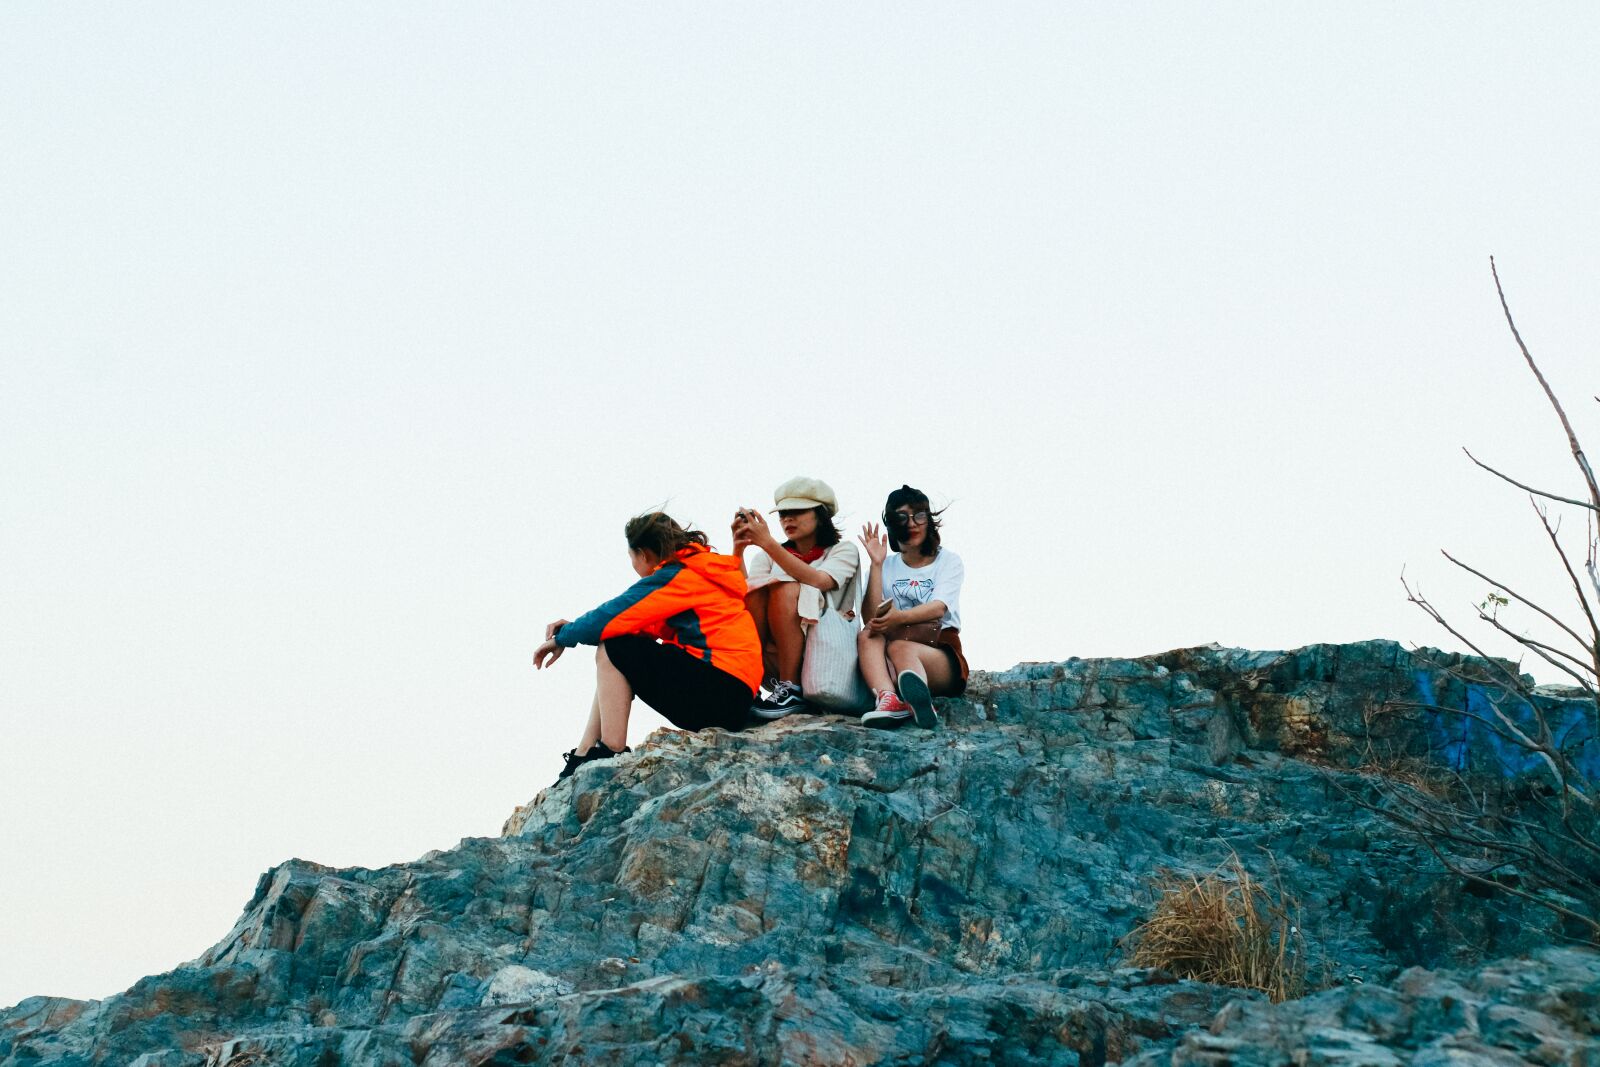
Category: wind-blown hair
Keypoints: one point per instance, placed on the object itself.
(905, 496)
(655, 531)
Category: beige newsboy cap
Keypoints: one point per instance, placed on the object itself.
(805, 493)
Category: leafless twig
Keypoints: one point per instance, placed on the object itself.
(1530, 830)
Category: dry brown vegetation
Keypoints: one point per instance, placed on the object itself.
(1228, 928)
(1385, 757)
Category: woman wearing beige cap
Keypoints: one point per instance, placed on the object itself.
(791, 583)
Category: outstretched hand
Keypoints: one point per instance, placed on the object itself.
(546, 654)
(550, 651)
(875, 542)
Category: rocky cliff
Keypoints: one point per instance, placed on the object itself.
(814, 892)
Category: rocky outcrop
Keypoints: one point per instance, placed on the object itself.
(814, 892)
(1544, 1010)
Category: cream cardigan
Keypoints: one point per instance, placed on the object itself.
(842, 562)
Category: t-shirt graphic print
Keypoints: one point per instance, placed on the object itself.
(911, 592)
(911, 587)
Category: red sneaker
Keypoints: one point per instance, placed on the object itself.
(890, 712)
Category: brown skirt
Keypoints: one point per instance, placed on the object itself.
(950, 641)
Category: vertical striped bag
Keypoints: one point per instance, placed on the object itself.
(830, 674)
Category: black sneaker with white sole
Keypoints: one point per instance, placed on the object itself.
(599, 751)
(914, 691)
(785, 698)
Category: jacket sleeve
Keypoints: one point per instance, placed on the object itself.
(647, 603)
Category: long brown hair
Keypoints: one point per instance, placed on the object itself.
(655, 531)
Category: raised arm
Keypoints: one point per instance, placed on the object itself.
(761, 536)
(877, 546)
(741, 537)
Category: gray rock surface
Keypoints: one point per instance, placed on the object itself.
(1544, 1010)
(815, 892)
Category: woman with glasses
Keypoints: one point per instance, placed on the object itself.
(911, 646)
(794, 581)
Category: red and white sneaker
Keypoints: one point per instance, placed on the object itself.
(890, 712)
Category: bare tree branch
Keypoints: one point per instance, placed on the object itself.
(1572, 438)
(1532, 831)
(1542, 650)
(1528, 488)
(1590, 563)
(1511, 680)
(1520, 598)
(1577, 587)
(1431, 833)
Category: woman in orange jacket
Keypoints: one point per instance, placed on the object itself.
(679, 638)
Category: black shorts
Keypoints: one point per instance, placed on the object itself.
(690, 693)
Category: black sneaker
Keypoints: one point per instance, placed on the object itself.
(599, 751)
(784, 699)
(914, 691)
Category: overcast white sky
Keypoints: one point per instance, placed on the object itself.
(337, 342)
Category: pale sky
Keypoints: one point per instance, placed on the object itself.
(337, 343)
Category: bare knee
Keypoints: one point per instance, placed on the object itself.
(785, 599)
(903, 654)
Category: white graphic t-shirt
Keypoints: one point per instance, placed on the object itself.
(911, 587)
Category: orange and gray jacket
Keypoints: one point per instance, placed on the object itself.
(695, 601)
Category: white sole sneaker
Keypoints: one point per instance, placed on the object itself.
(885, 720)
(770, 713)
(914, 691)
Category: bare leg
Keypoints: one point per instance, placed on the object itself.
(933, 664)
(783, 616)
(591, 732)
(613, 699)
(874, 667)
(755, 602)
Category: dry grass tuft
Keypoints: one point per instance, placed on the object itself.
(1382, 756)
(1418, 774)
(1227, 928)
